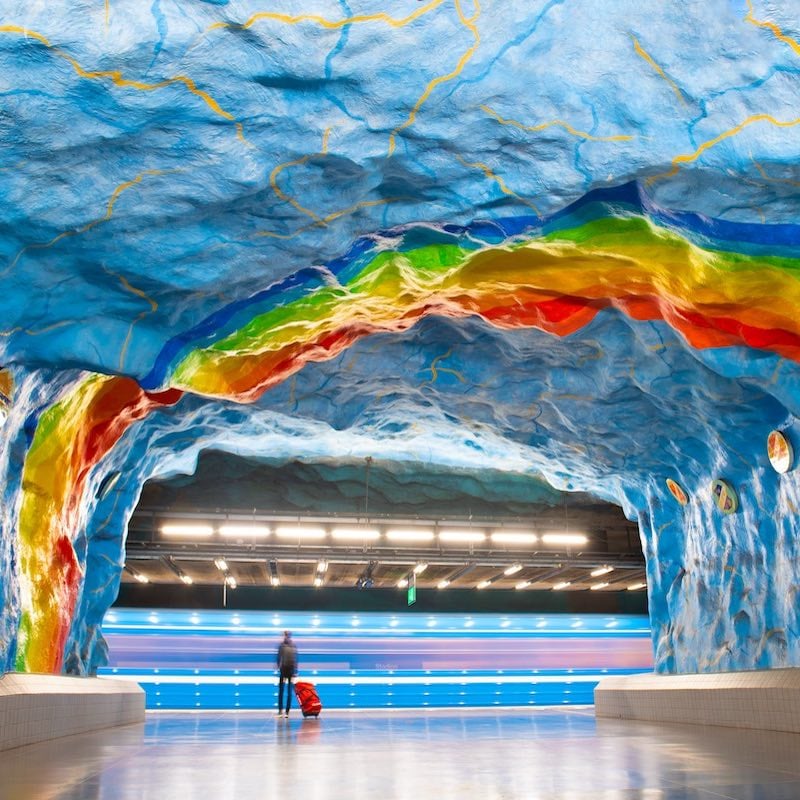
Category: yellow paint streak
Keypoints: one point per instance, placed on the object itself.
(559, 123)
(116, 77)
(500, 182)
(330, 217)
(770, 26)
(273, 178)
(686, 158)
(296, 19)
(651, 61)
(467, 22)
(83, 229)
(139, 293)
(774, 180)
(108, 12)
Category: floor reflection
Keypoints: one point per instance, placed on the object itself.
(537, 755)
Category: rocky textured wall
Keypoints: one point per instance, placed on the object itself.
(550, 239)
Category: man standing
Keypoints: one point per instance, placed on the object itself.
(287, 666)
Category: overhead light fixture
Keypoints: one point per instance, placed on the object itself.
(242, 530)
(187, 579)
(355, 534)
(141, 578)
(322, 566)
(596, 573)
(597, 586)
(483, 584)
(636, 586)
(443, 584)
(462, 536)
(275, 580)
(299, 532)
(231, 581)
(513, 569)
(409, 534)
(170, 562)
(402, 583)
(562, 585)
(318, 581)
(514, 537)
(186, 529)
(565, 538)
(420, 568)
(523, 585)
(221, 564)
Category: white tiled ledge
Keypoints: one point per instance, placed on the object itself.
(766, 700)
(34, 708)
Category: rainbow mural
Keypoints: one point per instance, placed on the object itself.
(612, 276)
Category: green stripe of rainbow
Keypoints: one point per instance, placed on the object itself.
(556, 283)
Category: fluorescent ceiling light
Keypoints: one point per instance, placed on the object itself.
(299, 532)
(634, 586)
(402, 583)
(221, 564)
(355, 534)
(187, 579)
(443, 584)
(322, 566)
(523, 585)
(562, 585)
(317, 581)
(564, 538)
(275, 580)
(231, 581)
(186, 529)
(461, 536)
(243, 530)
(420, 568)
(513, 569)
(409, 534)
(483, 584)
(596, 573)
(597, 586)
(141, 578)
(518, 537)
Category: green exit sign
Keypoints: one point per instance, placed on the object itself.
(412, 589)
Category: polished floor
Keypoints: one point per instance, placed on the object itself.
(532, 754)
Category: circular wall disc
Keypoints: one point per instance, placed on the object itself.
(676, 490)
(779, 450)
(724, 496)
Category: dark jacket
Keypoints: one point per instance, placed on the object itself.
(287, 658)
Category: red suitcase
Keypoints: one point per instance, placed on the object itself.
(308, 698)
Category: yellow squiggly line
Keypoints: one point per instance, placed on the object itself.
(686, 158)
(296, 19)
(331, 217)
(771, 26)
(467, 22)
(771, 179)
(273, 178)
(83, 229)
(555, 123)
(500, 182)
(651, 61)
(115, 76)
(139, 293)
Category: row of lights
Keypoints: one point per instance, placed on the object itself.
(322, 568)
(408, 535)
(514, 568)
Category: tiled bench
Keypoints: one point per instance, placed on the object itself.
(766, 700)
(34, 708)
